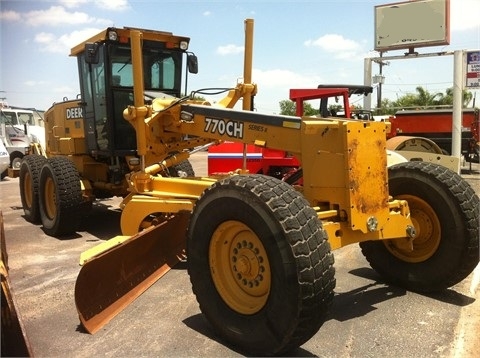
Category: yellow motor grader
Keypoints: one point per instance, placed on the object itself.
(258, 248)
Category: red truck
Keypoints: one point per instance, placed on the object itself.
(437, 126)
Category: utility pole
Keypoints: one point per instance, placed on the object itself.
(380, 79)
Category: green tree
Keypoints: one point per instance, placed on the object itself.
(447, 98)
(425, 98)
(386, 109)
(288, 108)
(467, 97)
(422, 99)
(335, 108)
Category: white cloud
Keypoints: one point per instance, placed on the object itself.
(10, 16)
(464, 14)
(273, 86)
(230, 49)
(54, 16)
(73, 3)
(207, 13)
(63, 43)
(341, 47)
(114, 5)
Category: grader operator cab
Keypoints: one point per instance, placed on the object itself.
(258, 249)
(106, 79)
(91, 132)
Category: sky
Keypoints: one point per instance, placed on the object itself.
(297, 44)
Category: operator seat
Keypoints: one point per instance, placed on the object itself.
(124, 133)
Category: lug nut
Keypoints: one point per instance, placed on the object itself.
(411, 232)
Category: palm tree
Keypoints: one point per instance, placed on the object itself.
(447, 98)
(425, 98)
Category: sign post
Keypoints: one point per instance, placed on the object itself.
(457, 113)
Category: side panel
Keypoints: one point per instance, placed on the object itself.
(335, 171)
(64, 129)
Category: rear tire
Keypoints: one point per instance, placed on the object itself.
(28, 179)
(60, 197)
(259, 264)
(445, 212)
(16, 160)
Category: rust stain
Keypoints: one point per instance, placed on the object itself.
(367, 180)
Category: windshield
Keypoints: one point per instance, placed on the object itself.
(17, 118)
(162, 69)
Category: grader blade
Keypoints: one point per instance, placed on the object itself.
(109, 281)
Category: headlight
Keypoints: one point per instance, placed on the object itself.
(133, 161)
(112, 35)
(184, 45)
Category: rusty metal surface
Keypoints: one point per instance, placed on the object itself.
(110, 281)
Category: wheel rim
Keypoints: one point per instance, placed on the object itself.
(16, 163)
(27, 190)
(239, 267)
(50, 198)
(428, 233)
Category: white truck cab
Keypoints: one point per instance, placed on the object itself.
(18, 129)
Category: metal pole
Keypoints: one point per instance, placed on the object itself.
(247, 62)
(379, 88)
(458, 77)
(247, 77)
(367, 81)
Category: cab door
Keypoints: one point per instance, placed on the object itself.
(93, 89)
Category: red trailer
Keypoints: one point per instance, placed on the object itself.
(437, 125)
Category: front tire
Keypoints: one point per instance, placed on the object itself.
(60, 197)
(259, 264)
(29, 179)
(445, 212)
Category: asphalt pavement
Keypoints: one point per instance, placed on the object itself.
(369, 318)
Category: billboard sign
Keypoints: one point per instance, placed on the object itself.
(412, 24)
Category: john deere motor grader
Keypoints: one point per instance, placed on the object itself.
(258, 248)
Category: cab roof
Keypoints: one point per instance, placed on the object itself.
(124, 34)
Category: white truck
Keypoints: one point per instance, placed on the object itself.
(19, 128)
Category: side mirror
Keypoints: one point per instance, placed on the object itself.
(192, 63)
(91, 53)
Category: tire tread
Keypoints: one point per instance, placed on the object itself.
(464, 202)
(310, 248)
(69, 195)
(31, 163)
